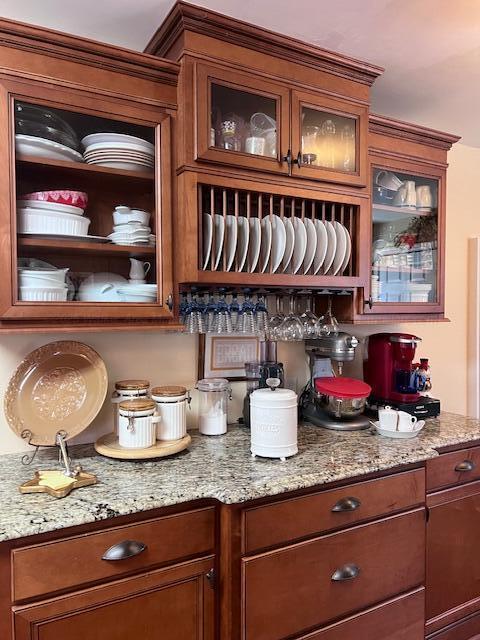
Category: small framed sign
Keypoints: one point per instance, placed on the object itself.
(224, 356)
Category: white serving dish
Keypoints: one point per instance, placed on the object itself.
(41, 278)
(101, 287)
(132, 296)
(52, 222)
(44, 205)
(125, 215)
(120, 139)
(43, 294)
(400, 435)
(43, 148)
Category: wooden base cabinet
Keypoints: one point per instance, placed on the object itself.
(168, 603)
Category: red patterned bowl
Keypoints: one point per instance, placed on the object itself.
(73, 198)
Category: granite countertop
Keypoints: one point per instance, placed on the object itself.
(218, 467)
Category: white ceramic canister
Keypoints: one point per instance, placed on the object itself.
(212, 413)
(126, 390)
(171, 404)
(137, 423)
(273, 422)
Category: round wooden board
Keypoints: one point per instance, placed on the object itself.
(108, 446)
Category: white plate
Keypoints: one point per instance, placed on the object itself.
(118, 150)
(400, 435)
(207, 238)
(231, 241)
(53, 236)
(116, 139)
(219, 235)
(50, 206)
(311, 244)
(126, 166)
(43, 148)
(118, 158)
(279, 241)
(300, 245)
(348, 251)
(265, 244)
(331, 247)
(119, 153)
(242, 241)
(341, 248)
(290, 241)
(254, 243)
(322, 244)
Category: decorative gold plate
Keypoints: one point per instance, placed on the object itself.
(108, 446)
(59, 387)
(56, 483)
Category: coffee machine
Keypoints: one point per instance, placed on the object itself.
(388, 369)
(324, 353)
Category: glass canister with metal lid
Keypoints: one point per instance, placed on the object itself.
(212, 414)
(127, 390)
(171, 401)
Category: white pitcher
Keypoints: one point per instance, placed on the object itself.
(138, 270)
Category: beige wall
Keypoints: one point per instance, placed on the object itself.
(173, 358)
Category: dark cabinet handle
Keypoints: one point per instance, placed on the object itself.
(347, 572)
(124, 550)
(369, 302)
(466, 465)
(288, 159)
(298, 161)
(346, 504)
(169, 302)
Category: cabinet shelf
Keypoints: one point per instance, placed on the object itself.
(390, 213)
(64, 167)
(31, 246)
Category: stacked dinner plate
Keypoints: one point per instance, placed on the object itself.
(275, 244)
(119, 151)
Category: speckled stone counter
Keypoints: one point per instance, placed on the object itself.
(218, 467)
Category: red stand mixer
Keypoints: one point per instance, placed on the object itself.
(388, 369)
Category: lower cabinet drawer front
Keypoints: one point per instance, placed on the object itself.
(468, 629)
(399, 619)
(71, 562)
(450, 469)
(289, 591)
(310, 515)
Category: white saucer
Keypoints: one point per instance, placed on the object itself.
(231, 241)
(311, 244)
(265, 244)
(207, 238)
(331, 247)
(399, 435)
(243, 235)
(300, 245)
(290, 242)
(254, 244)
(279, 241)
(322, 244)
(219, 235)
(341, 249)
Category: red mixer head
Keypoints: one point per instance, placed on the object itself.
(388, 367)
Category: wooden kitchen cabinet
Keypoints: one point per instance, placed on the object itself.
(168, 603)
(114, 91)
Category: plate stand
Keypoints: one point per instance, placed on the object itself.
(56, 482)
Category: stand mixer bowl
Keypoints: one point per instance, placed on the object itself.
(341, 398)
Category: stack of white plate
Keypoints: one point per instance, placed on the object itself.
(275, 245)
(42, 285)
(39, 217)
(131, 227)
(119, 151)
(138, 293)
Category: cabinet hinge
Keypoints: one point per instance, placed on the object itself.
(211, 577)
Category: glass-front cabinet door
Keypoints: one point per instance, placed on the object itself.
(241, 120)
(406, 250)
(89, 206)
(328, 139)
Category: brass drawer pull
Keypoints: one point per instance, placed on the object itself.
(124, 550)
(346, 504)
(347, 572)
(466, 465)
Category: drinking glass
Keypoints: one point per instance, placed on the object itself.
(222, 321)
(209, 313)
(276, 321)
(234, 309)
(327, 323)
(309, 321)
(261, 314)
(194, 318)
(246, 319)
(291, 329)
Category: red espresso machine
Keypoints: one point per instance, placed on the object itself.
(388, 369)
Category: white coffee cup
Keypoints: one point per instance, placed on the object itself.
(406, 422)
(255, 145)
(388, 418)
(424, 196)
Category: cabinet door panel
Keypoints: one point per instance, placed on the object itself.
(453, 562)
(308, 584)
(171, 604)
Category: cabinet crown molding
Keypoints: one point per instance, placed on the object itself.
(408, 131)
(83, 50)
(187, 17)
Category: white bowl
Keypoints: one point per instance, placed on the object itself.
(43, 294)
(41, 278)
(51, 222)
(399, 435)
(124, 215)
(50, 206)
(101, 287)
(130, 296)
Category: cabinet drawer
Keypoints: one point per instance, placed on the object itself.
(467, 629)
(71, 562)
(399, 619)
(288, 520)
(454, 468)
(308, 584)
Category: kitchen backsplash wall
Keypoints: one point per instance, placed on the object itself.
(172, 358)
